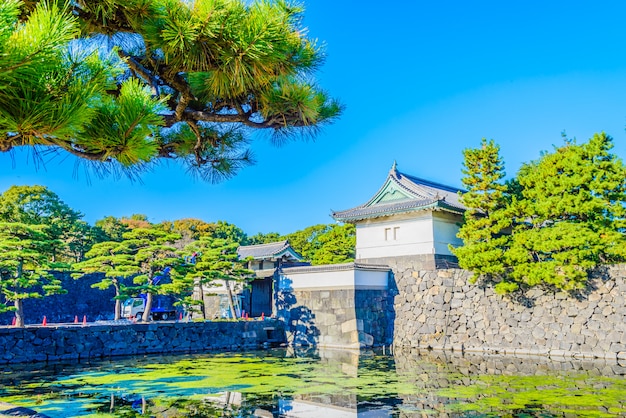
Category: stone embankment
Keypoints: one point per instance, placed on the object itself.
(51, 343)
(440, 309)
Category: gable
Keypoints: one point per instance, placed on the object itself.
(390, 192)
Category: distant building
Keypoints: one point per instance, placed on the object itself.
(407, 216)
(265, 260)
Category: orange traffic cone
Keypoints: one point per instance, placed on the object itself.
(44, 322)
(84, 319)
(262, 316)
(13, 322)
(180, 318)
(76, 319)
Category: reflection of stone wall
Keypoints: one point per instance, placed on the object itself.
(23, 345)
(440, 309)
(429, 372)
(334, 317)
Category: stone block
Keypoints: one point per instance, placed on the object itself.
(349, 326)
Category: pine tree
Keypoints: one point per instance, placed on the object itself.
(24, 266)
(570, 216)
(37, 205)
(215, 262)
(116, 261)
(144, 254)
(485, 220)
(123, 84)
(559, 218)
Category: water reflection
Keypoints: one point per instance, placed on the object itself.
(314, 383)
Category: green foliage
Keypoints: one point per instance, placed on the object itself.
(261, 238)
(337, 245)
(215, 261)
(485, 218)
(109, 229)
(24, 266)
(230, 233)
(325, 243)
(37, 205)
(174, 80)
(563, 215)
(142, 254)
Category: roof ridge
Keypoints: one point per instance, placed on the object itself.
(283, 242)
(430, 183)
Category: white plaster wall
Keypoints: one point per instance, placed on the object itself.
(414, 236)
(334, 279)
(446, 226)
(371, 279)
(324, 279)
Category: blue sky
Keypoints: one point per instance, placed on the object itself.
(421, 81)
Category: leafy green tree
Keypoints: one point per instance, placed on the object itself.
(24, 266)
(127, 83)
(559, 218)
(337, 245)
(116, 260)
(143, 254)
(230, 232)
(325, 243)
(37, 205)
(261, 238)
(109, 228)
(570, 216)
(486, 218)
(305, 241)
(152, 253)
(215, 262)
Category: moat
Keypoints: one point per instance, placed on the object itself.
(314, 383)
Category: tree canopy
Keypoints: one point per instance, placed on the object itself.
(560, 217)
(69, 236)
(24, 266)
(127, 83)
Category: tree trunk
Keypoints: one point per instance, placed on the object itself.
(19, 313)
(231, 304)
(118, 302)
(202, 307)
(146, 314)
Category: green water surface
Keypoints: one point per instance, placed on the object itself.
(319, 383)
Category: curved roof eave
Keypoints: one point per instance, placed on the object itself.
(435, 206)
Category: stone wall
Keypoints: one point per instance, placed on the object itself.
(81, 300)
(23, 345)
(439, 309)
(348, 318)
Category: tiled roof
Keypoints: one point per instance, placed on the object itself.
(336, 267)
(271, 250)
(403, 193)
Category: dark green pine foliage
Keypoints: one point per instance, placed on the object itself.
(116, 260)
(152, 252)
(559, 218)
(569, 216)
(123, 84)
(143, 254)
(24, 266)
(215, 263)
(336, 245)
(37, 205)
(485, 221)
